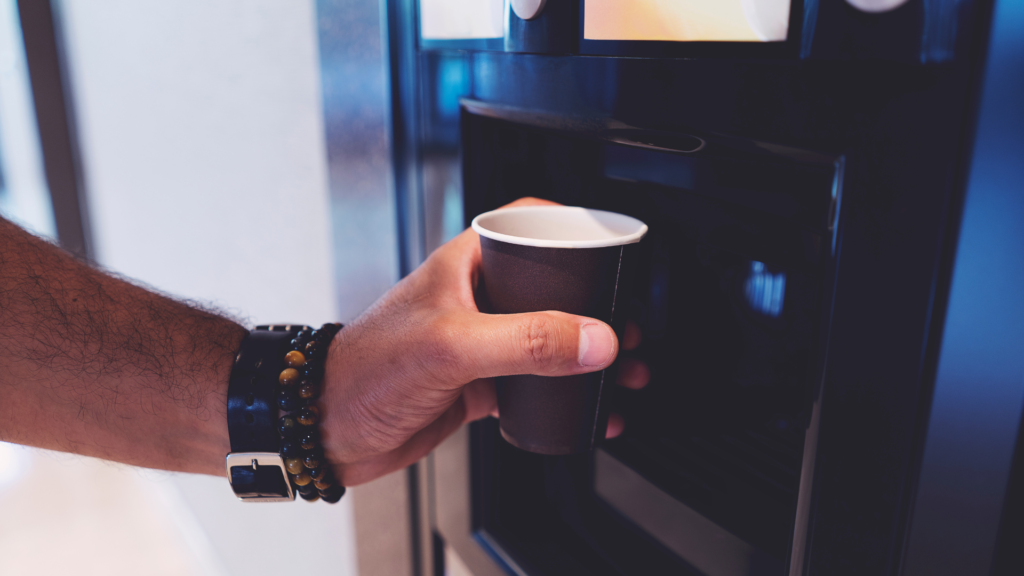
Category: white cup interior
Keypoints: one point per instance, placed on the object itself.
(559, 227)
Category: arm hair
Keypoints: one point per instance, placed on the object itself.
(95, 365)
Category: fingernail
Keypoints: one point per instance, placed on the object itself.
(597, 342)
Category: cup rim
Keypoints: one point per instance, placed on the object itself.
(632, 238)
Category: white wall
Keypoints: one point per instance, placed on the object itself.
(202, 141)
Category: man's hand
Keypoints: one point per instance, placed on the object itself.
(97, 366)
(420, 363)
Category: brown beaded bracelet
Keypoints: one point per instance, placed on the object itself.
(298, 389)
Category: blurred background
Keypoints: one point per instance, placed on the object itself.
(200, 149)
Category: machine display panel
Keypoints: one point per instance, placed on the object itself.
(687, 20)
(461, 19)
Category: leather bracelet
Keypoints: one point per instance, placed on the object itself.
(255, 468)
(279, 367)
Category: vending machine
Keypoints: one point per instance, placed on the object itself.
(829, 294)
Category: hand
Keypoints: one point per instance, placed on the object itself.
(420, 362)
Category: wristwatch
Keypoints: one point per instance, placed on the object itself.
(255, 467)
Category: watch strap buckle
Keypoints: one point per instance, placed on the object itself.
(259, 477)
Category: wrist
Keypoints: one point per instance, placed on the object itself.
(211, 429)
(354, 434)
(159, 422)
(204, 438)
(331, 404)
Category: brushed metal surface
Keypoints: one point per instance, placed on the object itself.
(382, 517)
(453, 508)
(355, 103)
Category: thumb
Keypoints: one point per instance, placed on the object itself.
(541, 343)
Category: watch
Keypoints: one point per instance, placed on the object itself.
(255, 468)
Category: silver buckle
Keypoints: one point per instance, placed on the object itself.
(256, 459)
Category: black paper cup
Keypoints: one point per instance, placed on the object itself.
(562, 258)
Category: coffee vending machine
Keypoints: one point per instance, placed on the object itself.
(829, 294)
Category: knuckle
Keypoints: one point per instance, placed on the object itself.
(538, 339)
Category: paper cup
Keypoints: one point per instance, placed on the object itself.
(562, 258)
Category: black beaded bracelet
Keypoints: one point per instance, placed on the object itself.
(298, 388)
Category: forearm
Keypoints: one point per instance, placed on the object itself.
(94, 365)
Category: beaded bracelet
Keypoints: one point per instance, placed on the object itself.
(299, 387)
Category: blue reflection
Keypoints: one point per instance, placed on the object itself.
(765, 291)
(451, 85)
(452, 218)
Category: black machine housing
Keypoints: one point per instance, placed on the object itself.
(804, 200)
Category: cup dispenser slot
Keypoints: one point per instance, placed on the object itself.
(729, 292)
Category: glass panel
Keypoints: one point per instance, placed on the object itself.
(687, 20)
(708, 547)
(459, 19)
